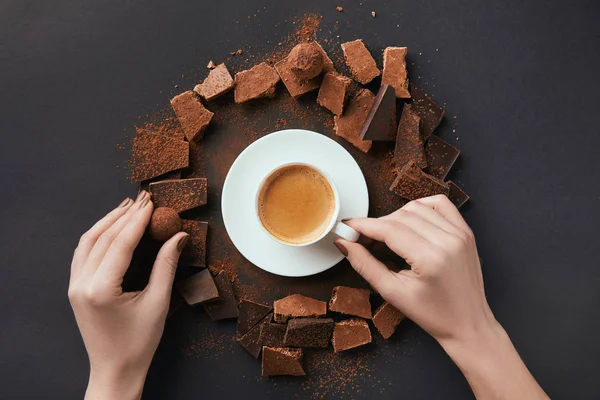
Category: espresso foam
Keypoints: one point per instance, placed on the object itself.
(296, 204)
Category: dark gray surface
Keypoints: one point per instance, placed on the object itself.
(522, 79)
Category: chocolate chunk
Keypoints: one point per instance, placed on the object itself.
(394, 70)
(154, 155)
(258, 82)
(198, 288)
(164, 224)
(441, 156)
(381, 121)
(250, 314)
(412, 183)
(192, 115)
(333, 91)
(179, 194)
(386, 319)
(218, 82)
(306, 61)
(409, 143)
(350, 333)
(351, 301)
(251, 340)
(360, 62)
(294, 85)
(308, 332)
(226, 306)
(456, 194)
(430, 113)
(327, 63)
(282, 361)
(298, 306)
(272, 334)
(348, 125)
(194, 253)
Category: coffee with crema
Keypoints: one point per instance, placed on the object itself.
(296, 204)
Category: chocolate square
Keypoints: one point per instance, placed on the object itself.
(179, 194)
(361, 64)
(250, 314)
(154, 155)
(282, 361)
(333, 92)
(381, 121)
(308, 332)
(412, 183)
(394, 70)
(441, 156)
(457, 195)
(386, 319)
(430, 113)
(409, 142)
(351, 301)
(298, 306)
(198, 288)
(350, 333)
(258, 82)
(194, 253)
(272, 334)
(251, 340)
(295, 86)
(192, 115)
(226, 306)
(348, 125)
(218, 82)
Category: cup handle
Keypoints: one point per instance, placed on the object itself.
(345, 232)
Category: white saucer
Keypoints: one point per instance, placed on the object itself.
(241, 184)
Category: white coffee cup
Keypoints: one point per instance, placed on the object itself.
(335, 226)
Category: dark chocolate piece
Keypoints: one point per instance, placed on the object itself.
(154, 155)
(226, 306)
(218, 82)
(409, 142)
(272, 334)
(361, 64)
(348, 125)
(394, 70)
(441, 156)
(333, 92)
(251, 340)
(457, 195)
(350, 333)
(198, 288)
(258, 82)
(412, 183)
(294, 85)
(194, 253)
(308, 332)
(192, 115)
(381, 121)
(351, 301)
(282, 361)
(250, 314)
(386, 319)
(298, 306)
(180, 194)
(430, 113)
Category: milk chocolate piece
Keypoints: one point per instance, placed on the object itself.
(394, 70)
(361, 64)
(333, 92)
(381, 121)
(226, 306)
(351, 301)
(258, 82)
(348, 125)
(194, 253)
(308, 332)
(282, 361)
(192, 115)
(250, 314)
(350, 333)
(441, 156)
(251, 340)
(154, 155)
(412, 183)
(386, 319)
(272, 334)
(298, 306)
(179, 194)
(218, 82)
(409, 143)
(198, 288)
(457, 195)
(294, 85)
(430, 113)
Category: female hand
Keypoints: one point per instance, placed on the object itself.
(121, 331)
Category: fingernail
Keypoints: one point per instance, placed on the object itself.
(182, 242)
(145, 202)
(125, 202)
(141, 196)
(341, 248)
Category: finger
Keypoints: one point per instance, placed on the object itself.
(118, 256)
(165, 266)
(444, 206)
(430, 215)
(88, 239)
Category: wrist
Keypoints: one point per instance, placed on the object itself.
(484, 340)
(111, 382)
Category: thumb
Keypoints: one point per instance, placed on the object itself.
(165, 266)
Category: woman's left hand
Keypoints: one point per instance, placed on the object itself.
(121, 331)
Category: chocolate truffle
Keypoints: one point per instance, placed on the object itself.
(306, 61)
(165, 223)
(296, 86)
